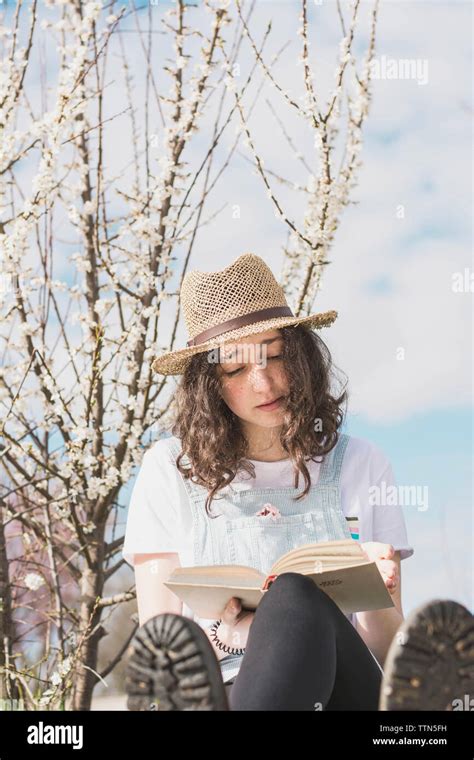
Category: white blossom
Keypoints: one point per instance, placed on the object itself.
(33, 581)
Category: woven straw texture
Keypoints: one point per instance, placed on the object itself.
(211, 298)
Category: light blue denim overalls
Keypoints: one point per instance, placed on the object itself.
(241, 537)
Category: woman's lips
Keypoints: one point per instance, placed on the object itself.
(270, 407)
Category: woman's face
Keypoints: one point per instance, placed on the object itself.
(252, 373)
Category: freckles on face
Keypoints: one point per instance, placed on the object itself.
(234, 394)
(254, 385)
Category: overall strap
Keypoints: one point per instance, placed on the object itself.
(331, 466)
(175, 448)
(192, 489)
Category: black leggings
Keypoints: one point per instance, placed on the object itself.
(303, 653)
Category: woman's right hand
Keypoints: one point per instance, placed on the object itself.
(234, 628)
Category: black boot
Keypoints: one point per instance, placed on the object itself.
(430, 662)
(171, 665)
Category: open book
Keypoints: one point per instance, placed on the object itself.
(339, 568)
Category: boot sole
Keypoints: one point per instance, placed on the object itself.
(171, 665)
(430, 662)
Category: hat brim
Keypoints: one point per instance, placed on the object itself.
(174, 362)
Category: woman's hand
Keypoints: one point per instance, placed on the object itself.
(382, 555)
(234, 628)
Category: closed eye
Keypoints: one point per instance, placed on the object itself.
(234, 372)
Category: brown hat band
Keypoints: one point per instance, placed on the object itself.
(242, 321)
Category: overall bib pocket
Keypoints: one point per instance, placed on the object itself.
(259, 541)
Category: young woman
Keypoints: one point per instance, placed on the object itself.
(256, 413)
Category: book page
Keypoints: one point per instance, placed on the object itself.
(342, 553)
(219, 575)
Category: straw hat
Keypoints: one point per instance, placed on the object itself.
(242, 299)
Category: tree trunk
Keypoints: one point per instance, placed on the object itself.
(92, 584)
(8, 688)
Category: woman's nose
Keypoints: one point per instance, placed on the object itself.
(260, 377)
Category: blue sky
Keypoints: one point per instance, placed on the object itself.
(433, 449)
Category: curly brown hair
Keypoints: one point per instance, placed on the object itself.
(210, 433)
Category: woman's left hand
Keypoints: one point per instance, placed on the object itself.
(382, 555)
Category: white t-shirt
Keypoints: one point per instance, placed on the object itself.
(159, 516)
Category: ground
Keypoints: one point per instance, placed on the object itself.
(110, 702)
